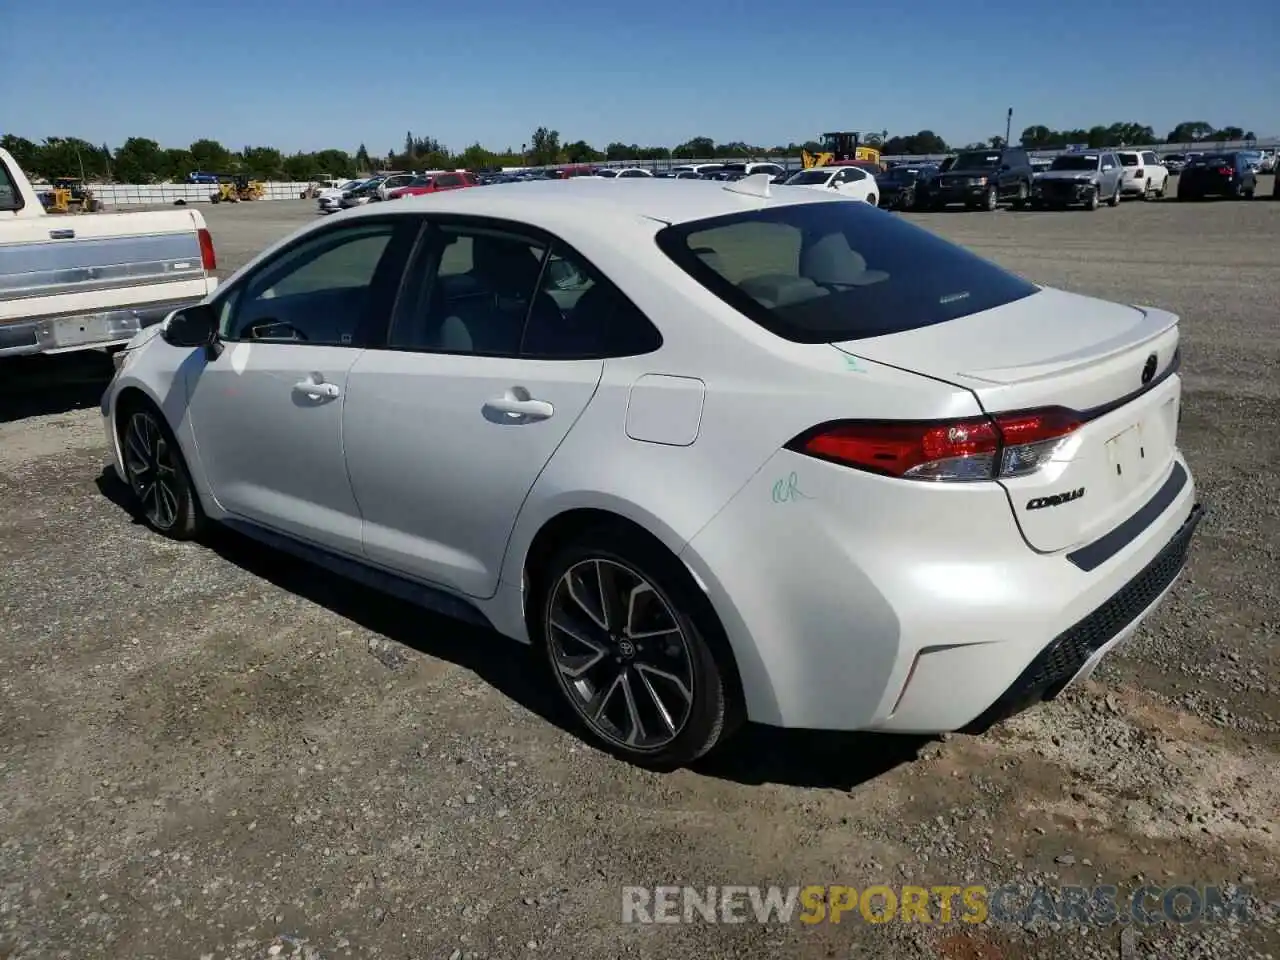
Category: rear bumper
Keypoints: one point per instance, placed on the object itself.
(1074, 654)
(870, 603)
(63, 333)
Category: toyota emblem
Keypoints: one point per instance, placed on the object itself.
(1149, 369)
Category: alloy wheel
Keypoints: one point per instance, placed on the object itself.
(152, 470)
(620, 654)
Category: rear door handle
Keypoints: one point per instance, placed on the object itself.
(516, 407)
(316, 389)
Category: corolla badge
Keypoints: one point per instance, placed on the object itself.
(1056, 500)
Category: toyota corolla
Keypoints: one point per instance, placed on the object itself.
(717, 451)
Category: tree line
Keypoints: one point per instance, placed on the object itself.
(140, 160)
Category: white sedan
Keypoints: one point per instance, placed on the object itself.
(717, 451)
(853, 183)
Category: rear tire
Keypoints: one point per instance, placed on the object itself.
(1146, 191)
(1020, 200)
(1114, 199)
(634, 649)
(156, 473)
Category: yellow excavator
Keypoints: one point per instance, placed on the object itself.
(840, 148)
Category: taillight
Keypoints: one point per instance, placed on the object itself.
(1226, 171)
(208, 259)
(977, 448)
(1138, 172)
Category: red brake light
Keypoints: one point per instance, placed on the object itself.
(208, 259)
(1226, 171)
(977, 448)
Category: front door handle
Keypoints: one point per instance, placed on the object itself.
(316, 389)
(520, 407)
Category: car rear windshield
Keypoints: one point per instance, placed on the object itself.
(833, 271)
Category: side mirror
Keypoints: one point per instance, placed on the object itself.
(194, 326)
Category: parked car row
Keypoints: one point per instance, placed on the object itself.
(974, 179)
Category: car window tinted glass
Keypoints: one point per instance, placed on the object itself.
(8, 192)
(476, 293)
(1129, 159)
(823, 272)
(593, 318)
(809, 177)
(320, 292)
(976, 161)
(449, 180)
(1075, 161)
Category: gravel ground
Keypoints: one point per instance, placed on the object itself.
(212, 751)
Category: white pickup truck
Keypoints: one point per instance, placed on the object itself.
(91, 281)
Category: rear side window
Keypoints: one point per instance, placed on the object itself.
(448, 180)
(1129, 159)
(10, 199)
(833, 271)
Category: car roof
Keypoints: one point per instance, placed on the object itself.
(585, 198)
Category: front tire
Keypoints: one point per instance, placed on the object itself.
(1092, 202)
(1020, 201)
(992, 200)
(1114, 199)
(157, 475)
(627, 643)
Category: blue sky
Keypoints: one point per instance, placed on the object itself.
(309, 75)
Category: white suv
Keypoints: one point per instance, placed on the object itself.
(1144, 175)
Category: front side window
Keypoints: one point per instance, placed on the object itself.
(324, 291)
(830, 272)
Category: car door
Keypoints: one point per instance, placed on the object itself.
(266, 404)
(853, 183)
(485, 371)
(1111, 172)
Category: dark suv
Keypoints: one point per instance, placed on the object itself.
(981, 179)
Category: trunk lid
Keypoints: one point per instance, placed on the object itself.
(1058, 349)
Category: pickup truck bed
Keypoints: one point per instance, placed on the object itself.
(82, 281)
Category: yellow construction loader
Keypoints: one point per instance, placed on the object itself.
(70, 195)
(840, 148)
(233, 189)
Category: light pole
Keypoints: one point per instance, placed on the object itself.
(1008, 125)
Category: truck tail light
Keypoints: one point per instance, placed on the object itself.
(975, 448)
(208, 259)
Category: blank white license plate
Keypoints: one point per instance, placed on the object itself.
(1134, 454)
